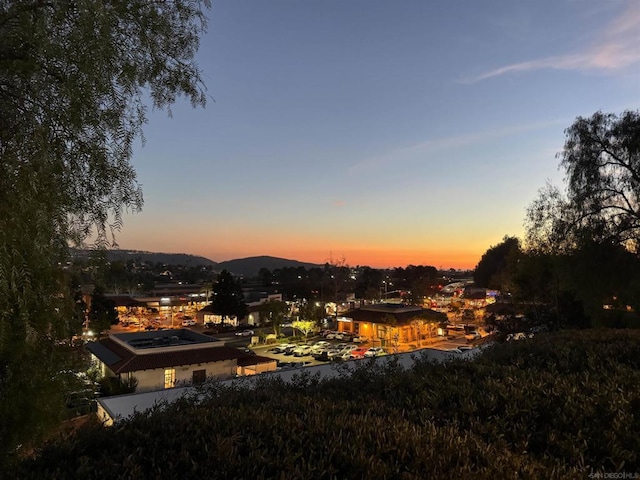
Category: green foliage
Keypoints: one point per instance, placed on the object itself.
(305, 326)
(601, 159)
(117, 386)
(496, 266)
(273, 313)
(561, 405)
(582, 243)
(311, 311)
(74, 75)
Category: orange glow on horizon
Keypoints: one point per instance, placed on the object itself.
(383, 259)
(224, 246)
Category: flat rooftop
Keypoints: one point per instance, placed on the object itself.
(155, 339)
(391, 308)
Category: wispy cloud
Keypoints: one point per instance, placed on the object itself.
(616, 47)
(420, 150)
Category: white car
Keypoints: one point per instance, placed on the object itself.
(188, 322)
(375, 352)
(281, 348)
(344, 336)
(349, 348)
(244, 333)
(360, 339)
(344, 355)
(302, 350)
(316, 349)
(332, 354)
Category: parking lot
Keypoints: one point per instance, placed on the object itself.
(450, 342)
(289, 360)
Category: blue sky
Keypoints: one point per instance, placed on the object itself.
(385, 132)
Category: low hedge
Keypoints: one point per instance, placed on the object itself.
(558, 405)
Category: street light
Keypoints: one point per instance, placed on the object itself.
(166, 301)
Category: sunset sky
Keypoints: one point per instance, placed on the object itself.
(386, 133)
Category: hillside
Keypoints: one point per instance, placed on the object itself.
(249, 267)
(153, 257)
(561, 405)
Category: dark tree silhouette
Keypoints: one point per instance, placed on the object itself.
(228, 299)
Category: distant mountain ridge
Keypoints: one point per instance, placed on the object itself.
(153, 257)
(250, 266)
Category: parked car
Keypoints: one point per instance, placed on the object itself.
(188, 322)
(359, 339)
(346, 336)
(343, 355)
(358, 352)
(289, 350)
(331, 335)
(321, 343)
(244, 333)
(281, 348)
(375, 352)
(321, 348)
(349, 348)
(332, 354)
(302, 350)
(323, 356)
(318, 350)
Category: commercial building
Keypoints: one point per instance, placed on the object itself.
(391, 324)
(169, 358)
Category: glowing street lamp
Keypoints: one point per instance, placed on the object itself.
(166, 301)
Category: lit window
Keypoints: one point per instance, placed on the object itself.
(170, 378)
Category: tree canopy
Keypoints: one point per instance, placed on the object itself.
(74, 78)
(601, 160)
(582, 243)
(228, 299)
(495, 266)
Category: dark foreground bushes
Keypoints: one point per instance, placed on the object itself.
(558, 406)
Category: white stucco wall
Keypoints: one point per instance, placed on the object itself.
(259, 368)
(149, 380)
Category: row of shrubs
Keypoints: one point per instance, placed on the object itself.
(558, 405)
